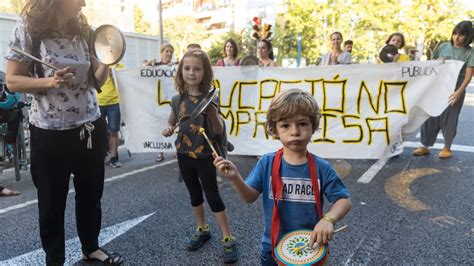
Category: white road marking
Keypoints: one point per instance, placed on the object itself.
(376, 167)
(144, 169)
(73, 246)
(110, 179)
(469, 99)
(18, 206)
(372, 171)
(445, 221)
(439, 146)
(439, 136)
(348, 261)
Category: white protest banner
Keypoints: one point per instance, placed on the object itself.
(365, 108)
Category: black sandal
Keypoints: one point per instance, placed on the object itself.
(112, 258)
(5, 192)
(160, 157)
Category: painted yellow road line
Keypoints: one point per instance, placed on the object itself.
(397, 188)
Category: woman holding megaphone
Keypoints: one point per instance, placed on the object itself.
(389, 52)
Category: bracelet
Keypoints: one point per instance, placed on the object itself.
(330, 219)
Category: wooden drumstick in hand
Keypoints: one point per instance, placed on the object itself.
(180, 121)
(315, 245)
(203, 132)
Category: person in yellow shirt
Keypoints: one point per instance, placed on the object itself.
(398, 40)
(110, 110)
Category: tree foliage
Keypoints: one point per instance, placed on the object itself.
(139, 23)
(182, 30)
(216, 51)
(435, 21)
(367, 23)
(12, 6)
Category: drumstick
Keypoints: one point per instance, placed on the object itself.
(32, 57)
(181, 120)
(203, 132)
(315, 245)
(342, 228)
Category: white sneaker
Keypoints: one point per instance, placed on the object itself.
(115, 164)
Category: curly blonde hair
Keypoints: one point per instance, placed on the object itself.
(40, 18)
(289, 103)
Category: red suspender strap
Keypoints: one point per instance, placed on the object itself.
(314, 180)
(277, 191)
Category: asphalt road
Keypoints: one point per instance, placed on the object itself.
(415, 210)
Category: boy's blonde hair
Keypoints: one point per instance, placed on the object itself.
(207, 79)
(289, 103)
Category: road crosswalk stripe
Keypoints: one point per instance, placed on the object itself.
(110, 179)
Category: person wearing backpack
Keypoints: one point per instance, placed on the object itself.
(193, 82)
(67, 133)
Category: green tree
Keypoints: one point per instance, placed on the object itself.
(140, 24)
(181, 31)
(369, 29)
(367, 23)
(216, 51)
(12, 6)
(315, 21)
(435, 21)
(18, 5)
(248, 44)
(301, 17)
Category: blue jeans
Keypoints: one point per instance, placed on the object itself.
(111, 113)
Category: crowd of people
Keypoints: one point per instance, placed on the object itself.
(73, 127)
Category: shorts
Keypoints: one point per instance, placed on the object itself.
(111, 113)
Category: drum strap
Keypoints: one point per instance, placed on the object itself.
(277, 190)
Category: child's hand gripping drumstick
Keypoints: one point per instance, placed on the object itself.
(315, 245)
(203, 132)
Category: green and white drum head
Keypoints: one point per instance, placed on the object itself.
(293, 249)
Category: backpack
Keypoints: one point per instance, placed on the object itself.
(219, 139)
(36, 68)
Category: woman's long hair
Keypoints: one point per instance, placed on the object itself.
(269, 47)
(396, 34)
(40, 19)
(234, 45)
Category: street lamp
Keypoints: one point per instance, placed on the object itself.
(160, 21)
(298, 60)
